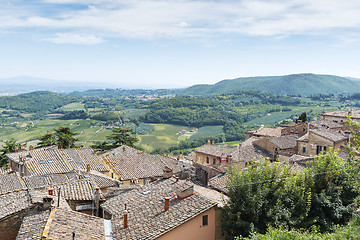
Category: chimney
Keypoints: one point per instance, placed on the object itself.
(21, 166)
(208, 141)
(212, 142)
(97, 201)
(125, 218)
(299, 121)
(177, 179)
(167, 203)
(31, 148)
(22, 147)
(88, 167)
(51, 191)
(82, 146)
(16, 149)
(167, 172)
(184, 193)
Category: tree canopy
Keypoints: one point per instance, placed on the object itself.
(276, 195)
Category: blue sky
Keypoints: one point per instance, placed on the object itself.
(176, 43)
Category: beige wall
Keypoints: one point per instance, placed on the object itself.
(316, 140)
(201, 158)
(264, 143)
(193, 229)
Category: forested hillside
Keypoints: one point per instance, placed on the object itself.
(295, 84)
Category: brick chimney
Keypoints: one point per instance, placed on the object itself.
(88, 167)
(125, 218)
(167, 203)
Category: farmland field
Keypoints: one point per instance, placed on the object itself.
(73, 107)
(163, 136)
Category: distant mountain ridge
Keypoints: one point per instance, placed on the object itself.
(295, 84)
(26, 84)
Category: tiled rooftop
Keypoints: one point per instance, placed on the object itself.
(78, 158)
(13, 202)
(129, 163)
(145, 206)
(33, 225)
(335, 136)
(50, 160)
(284, 142)
(246, 152)
(66, 222)
(268, 131)
(11, 183)
(352, 113)
(219, 183)
(325, 124)
(215, 150)
(60, 223)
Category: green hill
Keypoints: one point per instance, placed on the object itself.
(295, 84)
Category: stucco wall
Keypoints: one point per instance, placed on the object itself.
(193, 229)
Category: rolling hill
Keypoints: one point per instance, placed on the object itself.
(295, 84)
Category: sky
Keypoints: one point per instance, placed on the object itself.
(177, 43)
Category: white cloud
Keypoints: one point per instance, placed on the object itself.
(154, 18)
(183, 24)
(70, 38)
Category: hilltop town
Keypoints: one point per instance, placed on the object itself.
(125, 193)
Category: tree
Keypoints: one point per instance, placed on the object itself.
(324, 195)
(335, 191)
(122, 136)
(8, 148)
(64, 137)
(264, 195)
(47, 139)
(302, 117)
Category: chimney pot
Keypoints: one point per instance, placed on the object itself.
(167, 203)
(212, 142)
(208, 141)
(51, 191)
(125, 218)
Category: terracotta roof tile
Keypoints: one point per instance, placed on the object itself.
(11, 183)
(129, 163)
(13, 202)
(33, 225)
(146, 216)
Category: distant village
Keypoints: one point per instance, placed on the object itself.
(125, 193)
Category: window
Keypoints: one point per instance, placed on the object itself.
(304, 149)
(324, 148)
(214, 160)
(207, 160)
(205, 220)
(318, 149)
